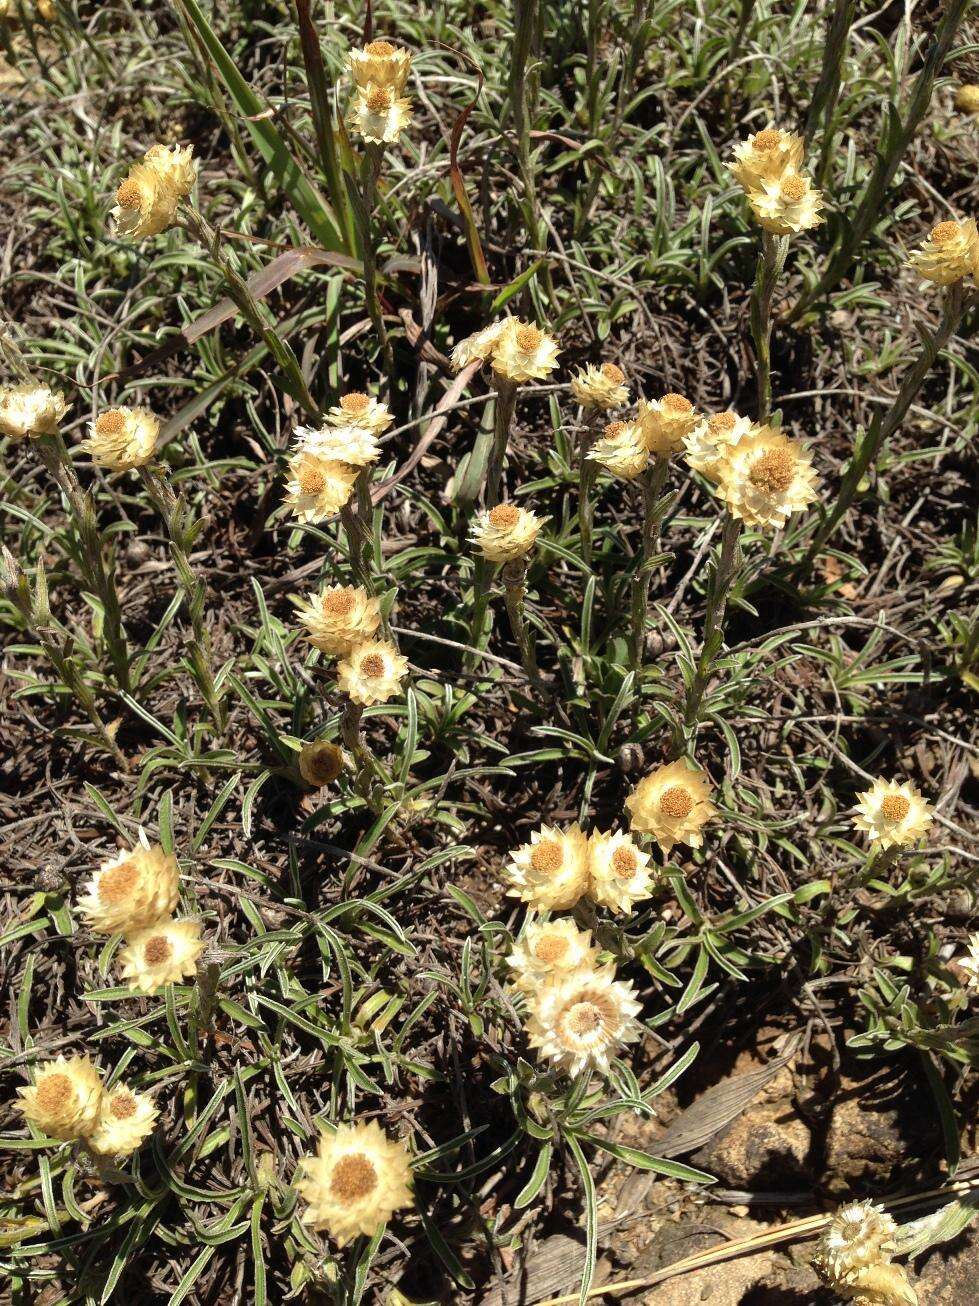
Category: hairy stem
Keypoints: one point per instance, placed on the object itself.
(514, 577)
(653, 511)
(725, 567)
(506, 402)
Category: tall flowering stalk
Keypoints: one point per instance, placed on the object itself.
(598, 390)
(506, 534)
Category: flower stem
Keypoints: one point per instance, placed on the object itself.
(587, 473)
(370, 779)
(514, 576)
(369, 173)
(653, 511)
(771, 260)
(506, 402)
(722, 575)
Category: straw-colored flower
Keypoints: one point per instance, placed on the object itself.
(580, 1021)
(967, 98)
(968, 964)
(320, 762)
(122, 438)
(356, 1181)
(853, 1258)
(550, 949)
(766, 156)
(138, 886)
(380, 64)
(524, 352)
(672, 804)
(146, 202)
(380, 114)
(665, 423)
(161, 954)
(338, 617)
(30, 410)
(357, 409)
(892, 813)
(621, 450)
(63, 1102)
(620, 874)
(175, 165)
(950, 253)
(506, 532)
(354, 445)
(600, 387)
(551, 872)
(765, 477)
(712, 439)
(125, 1120)
(372, 672)
(318, 488)
(787, 205)
(479, 346)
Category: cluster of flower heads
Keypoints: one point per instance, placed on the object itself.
(767, 167)
(342, 621)
(854, 1258)
(325, 463)
(135, 894)
(517, 351)
(380, 111)
(67, 1101)
(147, 200)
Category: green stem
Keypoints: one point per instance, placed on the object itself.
(514, 576)
(653, 511)
(371, 778)
(587, 475)
(771, 260)
(506, 402)
(724, 569)
(370, 171)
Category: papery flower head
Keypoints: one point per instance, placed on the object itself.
(176, 166)
(853, 1258)
(766, 156)
(125, 1120)
(765, 477)
(672, 804)
(30, 410)
(121, 439)
(354, 445)
(161, 954)
(380, 63)
(892, 813)
(600, 387)
(318, 488)
(523, 352)
(63, 1102)
(621, 450)
(551, 871)
(320, 762)
(967, 98)
(712, 439)
(968, 964)
(338, 617)
(357, 409)
(580, 1021)
(619, 871)
(356, 1181)
(379, 114)
(479, 346)
(549, 949)
(147, 200)
(372, 672)
(506, 532)
(665, 423)
(950, 253)
(138, 886)
(787, 205)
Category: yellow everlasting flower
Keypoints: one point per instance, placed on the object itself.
(175, 165)
(338, 617)
(580, 1021)
(600, 387)
(967, 98)
(354, 445)
(161, 954)
(787, 205)
(506, 532)
(380, 115)
(672, 804)
(63, 1102)
(380, 63)
(479, 346)
(766, 156)
(853, 1258)
(372, 672)
(318, 488)
(619, 871)
(146, 202)
(765, 477)
(712, 439)
(125, 1120)
(138, 886)
(551, 872)
(621, 450)
(30, 410)
(320, 762)
(357, 1180)
(122, 438)
(950, 253)
(892, 813)
(356, 409)
(665, 423)
(523, 352)
(550, 948)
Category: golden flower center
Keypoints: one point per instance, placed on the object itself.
(380, 49)
(122, 1106)
(325, 762)
(157, 950)
(310, 478)
(612, 373)
(112, 422)
(792, 188)
(944, 232)
(895, 807)
(129, 195)
(355, 402)
(720, 422)
(588, 1015)
(117, 883)
(54, 1092)
(615, 429)
(372, 665)
(676, 802)
(773, 472)
(504, 515)
(551, 948)
(624, 862)
(339, 603)
(767, 140)
(677, 403)
(353, 1178)
(528, 338)
(378, 99)
(547, 857)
